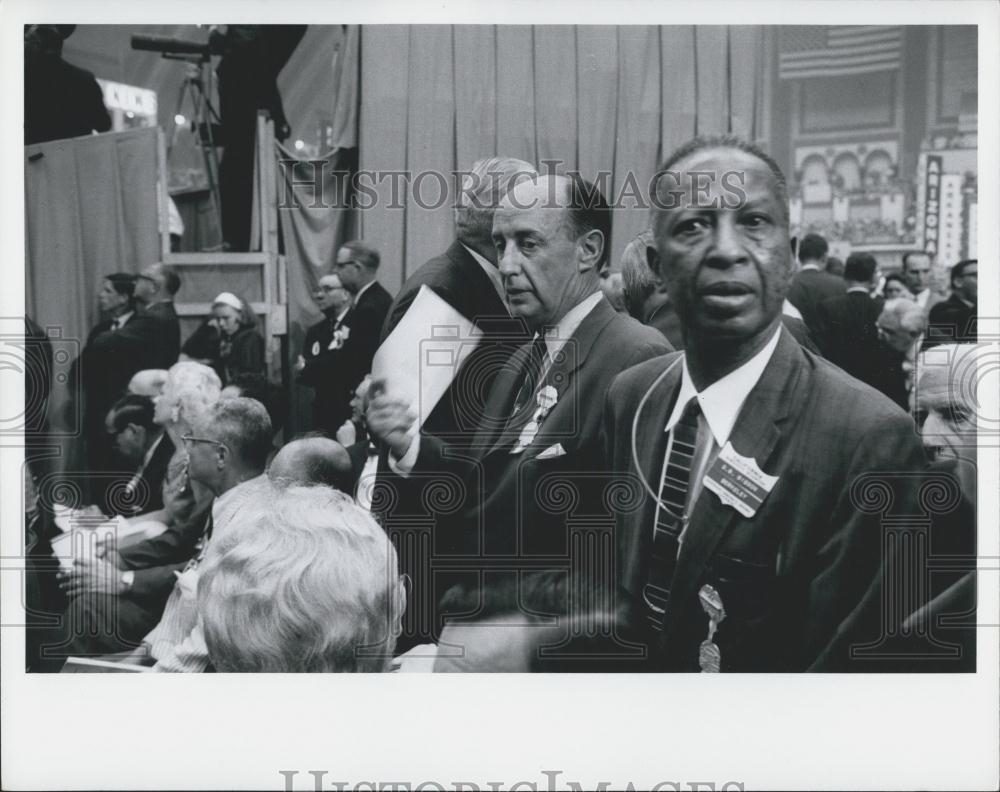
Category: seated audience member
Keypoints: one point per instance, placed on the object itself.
(119, 596)
(953, 321)
(895, 287)
(308, 583)
(229, 340)
(241, 347)
(899, 326)
(227, 452)
(313, 460)
(191, 390)
(148, 382)
(140, 443)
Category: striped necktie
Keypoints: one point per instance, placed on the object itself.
(670, 514)
(537, 354)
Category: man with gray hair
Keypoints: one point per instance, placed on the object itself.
(467, 277)
(309, 583)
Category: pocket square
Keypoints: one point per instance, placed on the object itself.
(552, 451)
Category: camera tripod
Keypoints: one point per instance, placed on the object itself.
(205, 119)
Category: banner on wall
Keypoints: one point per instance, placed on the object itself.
(931, 216)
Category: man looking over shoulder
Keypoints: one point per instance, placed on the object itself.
(750, 548)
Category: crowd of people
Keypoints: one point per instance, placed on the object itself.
(669, 463)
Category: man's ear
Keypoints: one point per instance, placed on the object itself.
(591, 247)
(653, 260)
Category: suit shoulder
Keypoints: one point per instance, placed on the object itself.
(640, 376)
(637, 334)
(862, 406)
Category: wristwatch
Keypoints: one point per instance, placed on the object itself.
(128, 579)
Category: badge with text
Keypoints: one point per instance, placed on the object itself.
(709, 655)
(546, 399)
(738, 481)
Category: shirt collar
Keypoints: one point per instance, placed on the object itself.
(810, 266)
(557, 335)
(120, 321)
(342, 314)
(722, 401)
(491, 271)
(862, 289)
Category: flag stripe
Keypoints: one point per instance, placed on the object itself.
(847, 50)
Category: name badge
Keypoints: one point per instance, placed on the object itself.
(315, 348)
(738, 481)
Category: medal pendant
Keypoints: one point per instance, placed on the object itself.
(709, 657)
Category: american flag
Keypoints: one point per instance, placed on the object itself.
(834, 51)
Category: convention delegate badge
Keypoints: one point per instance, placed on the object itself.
(546, 400)
(709, 655)
(738, 481)
(315, 348)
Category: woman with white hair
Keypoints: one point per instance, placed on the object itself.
(307, 582)
(190, 391)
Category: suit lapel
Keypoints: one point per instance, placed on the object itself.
(559, 375)
(755, 434)
(650, 448)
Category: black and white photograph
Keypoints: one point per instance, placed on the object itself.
(579, 351)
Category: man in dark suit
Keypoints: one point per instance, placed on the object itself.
(813, 284)
(155, 289)
(140, 444)
(755, 540)
(321, 364)
(953, 321)
(848, 335)
(499, 502)
(116, 349)
(357, 267)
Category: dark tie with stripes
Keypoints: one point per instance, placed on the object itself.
(670, 514)
(532, 371)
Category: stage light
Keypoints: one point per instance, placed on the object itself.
(180, 120)
(299, 145)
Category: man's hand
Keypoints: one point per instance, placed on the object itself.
(390, 420)
(347, 434)
(95, 575)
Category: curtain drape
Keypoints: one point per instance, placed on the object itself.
(90, 210)
(612, 100)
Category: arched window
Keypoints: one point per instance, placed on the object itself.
(848, 171)
(814, 170)
(878, 167)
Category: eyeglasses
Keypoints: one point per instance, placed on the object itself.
(190, 440)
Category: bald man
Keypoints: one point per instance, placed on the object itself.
(500, 502)
(311, 461)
